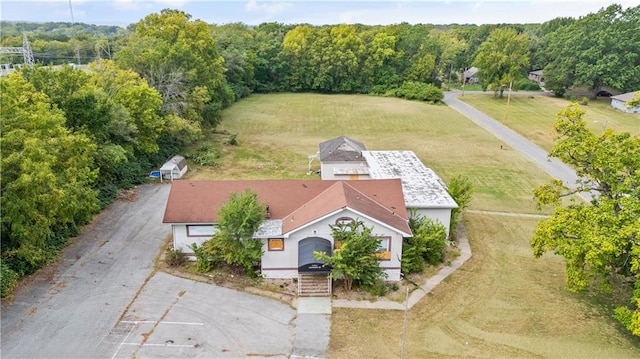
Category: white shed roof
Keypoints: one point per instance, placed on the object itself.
(421, 186)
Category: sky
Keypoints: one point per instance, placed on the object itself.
(319, 12)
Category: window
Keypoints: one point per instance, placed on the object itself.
(201, 230)
(384, 248)
(385, 244)
(275, 244)
(344, 220)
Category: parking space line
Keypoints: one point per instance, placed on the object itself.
(123, 340)
(154, 322)
(162, 345)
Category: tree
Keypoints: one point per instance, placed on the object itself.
(47, 176)
(176, 55)
(238, 220)
(502, 59)
(356, 259)
(599, 240)
(461, 190)
(600, 49)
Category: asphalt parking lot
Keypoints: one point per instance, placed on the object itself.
(103, 299)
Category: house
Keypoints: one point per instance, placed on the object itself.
(300, 213)
(174, 168)
(378, 188)
(470, 76)
(536, 76)
(344, 158)
(620, 102)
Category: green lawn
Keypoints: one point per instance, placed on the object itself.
(533, 116)
(277, 132)
(502, 302)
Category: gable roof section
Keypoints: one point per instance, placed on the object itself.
(198, 201)
(341, 149)
(343, 195)
(421, 186)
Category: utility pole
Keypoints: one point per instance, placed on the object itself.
(506, 115)
(71, 11)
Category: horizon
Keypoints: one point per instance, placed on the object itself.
(122, 13)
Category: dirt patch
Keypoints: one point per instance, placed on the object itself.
(128, 195)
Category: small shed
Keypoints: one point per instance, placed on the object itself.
(174, 168)
(620, 102)
(470, 76)
(536, 76)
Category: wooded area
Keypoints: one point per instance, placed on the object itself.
(71, 139)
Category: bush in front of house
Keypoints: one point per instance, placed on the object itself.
(526, 85)
(175, 257)
(426, 246)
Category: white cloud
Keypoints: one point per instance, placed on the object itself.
(269, 9)
(125, 5)
(172, 3)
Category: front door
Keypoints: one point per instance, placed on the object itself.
(307, 262)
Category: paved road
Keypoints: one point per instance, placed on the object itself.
(552, 166)
(105, 301)
(69, 307)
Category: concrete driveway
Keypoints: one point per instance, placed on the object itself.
(552, 166)
(103, 300)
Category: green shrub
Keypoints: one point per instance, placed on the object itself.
(8, 279)
(427, 244)
(413, 90)
(526, 85)
(206, 156)
(204, 262)
(584, 101)
(175, 257)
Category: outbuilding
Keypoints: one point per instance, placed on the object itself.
(620, 102)
(174, 168)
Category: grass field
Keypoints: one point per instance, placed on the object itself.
(534, 116)
(501, 303)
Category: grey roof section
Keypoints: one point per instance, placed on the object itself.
(625, 97)
(341, 149)
(471, 71)
(421, 186)
(269, 228)
(175, 161)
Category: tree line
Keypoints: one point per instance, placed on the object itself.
(71, 139)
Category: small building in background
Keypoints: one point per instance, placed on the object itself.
(174, 168)
(536, 76)
(470, 76)
(620, 102)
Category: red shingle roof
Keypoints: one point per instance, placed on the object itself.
(299, 201)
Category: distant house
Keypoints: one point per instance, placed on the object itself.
(174, 168)
(620, 102)
(536, 76)
(470, 76)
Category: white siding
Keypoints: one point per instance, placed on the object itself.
(443, 215)
(183, 241)
(622, 106)
(284, 264)
(358, 170)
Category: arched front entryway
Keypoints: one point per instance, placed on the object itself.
(307, 262)
(313, 277)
